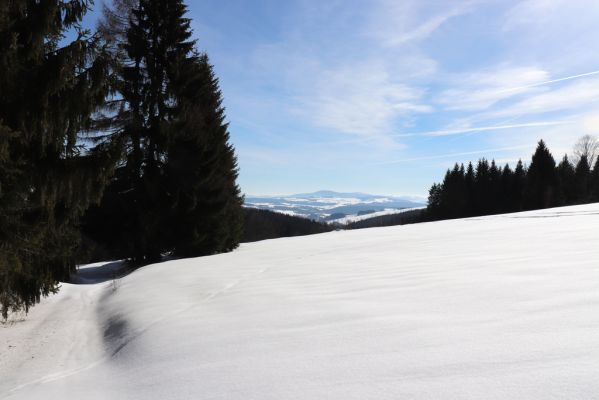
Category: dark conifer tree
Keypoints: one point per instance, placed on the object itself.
(541, 180)
(434, 206)
(444, 201)
(49, 90)
(567, 181)
(507, 178)
(517, 188)
(494, 198)
(583, 179)
(594, 189)
(202, 169)
(482, 188)
(453, 198)
(490, 189)
(469, 181)
(175, 191)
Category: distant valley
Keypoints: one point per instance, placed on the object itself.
(329, 206)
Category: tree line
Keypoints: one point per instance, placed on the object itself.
(117, 135)
(491, 189)
(265, 224)
(401, 218)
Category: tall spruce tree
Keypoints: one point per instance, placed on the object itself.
(453, 197)
(517, 188)
(541, 180)
(175, 191)
(507, 180)
(482, 188)
(583, 179)
(434, 206)
(201, 173)
(469, 180)
(567, 181)
(494, 197)
(49, 89)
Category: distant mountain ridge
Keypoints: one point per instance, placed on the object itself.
(328, 205)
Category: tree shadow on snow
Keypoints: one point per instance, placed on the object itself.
(115, 334)
(101, 272)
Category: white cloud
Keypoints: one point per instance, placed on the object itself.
(590, 123)
(362, 99)
(365, 91)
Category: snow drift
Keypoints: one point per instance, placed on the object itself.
(499, 307)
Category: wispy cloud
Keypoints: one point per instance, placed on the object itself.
(362, 100)
(366, 90)
(395, 23)
(529, 12)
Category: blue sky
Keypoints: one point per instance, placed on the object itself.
(382, 96)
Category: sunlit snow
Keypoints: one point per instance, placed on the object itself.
(500, 307)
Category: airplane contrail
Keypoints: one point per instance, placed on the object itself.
(567, 78)
(466, 153)
(447, 132)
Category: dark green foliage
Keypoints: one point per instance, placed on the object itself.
(469, 182)
(516, 195)
(594, 186)
(201, 172)
(583, 179)
(505, 189)
(175, 192)
(541, 180)
(492, 190)
(494, 196)
(48, 92)
(567, 181)
(404, 218)
(434, 207)
(482, 188)
(264, 224)
(453, 198)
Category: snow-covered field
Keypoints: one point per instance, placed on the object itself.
(503, 307)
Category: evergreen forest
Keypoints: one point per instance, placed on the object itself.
(491, 189)
(112, 140)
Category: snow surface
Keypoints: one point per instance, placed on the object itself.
(501, 307)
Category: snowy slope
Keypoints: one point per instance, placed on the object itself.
(502, 307)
